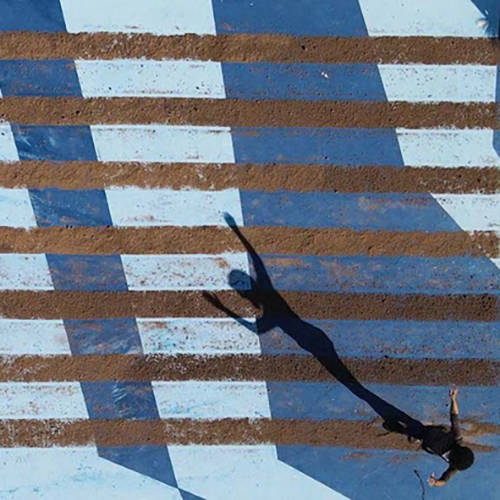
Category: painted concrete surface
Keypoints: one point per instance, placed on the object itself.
(258, 471)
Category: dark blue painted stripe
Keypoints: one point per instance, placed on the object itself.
(392, 275)
(107, 400)
(54, 143)
(333, 401)
(56, 207)
(316, 82)
(365, 211)
(103, 336)
(316, 146)
(299, 17)
(396, 339)
(31, 15)
(87, 272)
(151, 461)
(54, 78)
(390, 474)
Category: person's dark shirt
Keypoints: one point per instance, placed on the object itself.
(439, 441)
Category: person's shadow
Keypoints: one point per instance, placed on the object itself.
(277, 313)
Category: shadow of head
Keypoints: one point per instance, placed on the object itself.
(245, 285)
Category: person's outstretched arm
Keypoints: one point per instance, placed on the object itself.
(455, 423)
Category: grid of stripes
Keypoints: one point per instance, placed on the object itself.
(162, 386)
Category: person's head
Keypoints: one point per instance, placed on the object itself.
(461, 457)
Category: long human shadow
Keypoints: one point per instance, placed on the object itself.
(276, 313)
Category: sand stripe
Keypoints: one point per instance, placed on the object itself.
(47, 433)
(267, 177)
(274, 239)
(248, 48)
(320, 305)
(246, 113)
(133, 373)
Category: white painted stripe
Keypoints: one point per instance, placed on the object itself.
(168, 207)
(33, 337)
(212, 400)
(76, 474)
(40, 400)
(16, 209)
(24, 272)
(163, 143)
(139, 78)
(161, 17)
(448, 148)
(185, 272)
(439, 83)
(207, 336)
(422, 18)
(472, 212)
(211, 472)
(8, 148)
(243, 473)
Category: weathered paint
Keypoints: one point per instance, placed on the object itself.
(175, 17)
(163, 143)
(168, 207)
(139, 78)
(212, 400)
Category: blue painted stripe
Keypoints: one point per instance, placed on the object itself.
(300, 17)
(54, 78)
(393, 275)
(54, 143)
(106, 400)
(316, 82)
(31, 15)
(396, 339)
(333, 401)
(103, 336)
(87, 272)
(366, 211)
(316, 146)
(151, 461)
(56, 207)
(390, 474)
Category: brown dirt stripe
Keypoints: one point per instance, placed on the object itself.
(361, 435)
(265, 177)
(273, 48)
(320, 305)
(297, 368)
(247, 113)
(270, 240)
